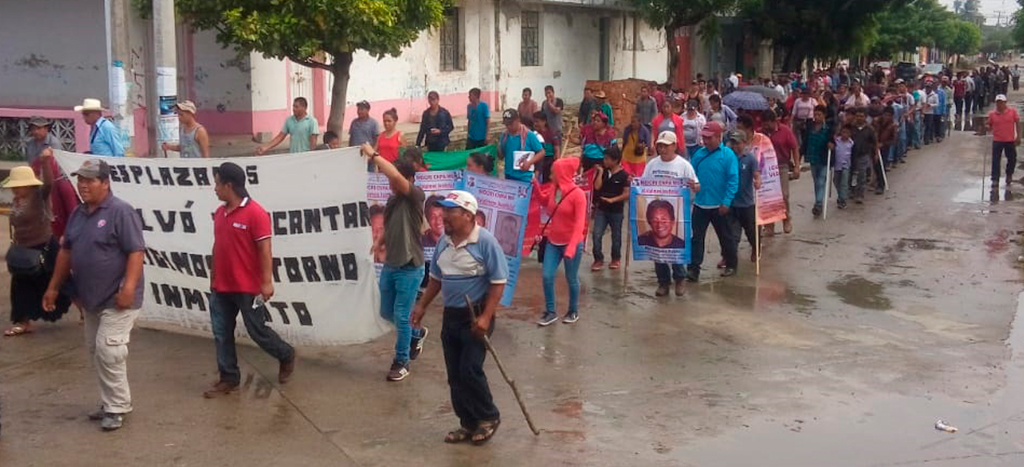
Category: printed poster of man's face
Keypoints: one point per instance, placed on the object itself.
(434, 214)
(506, 230)
(659, 226)
(377, 230)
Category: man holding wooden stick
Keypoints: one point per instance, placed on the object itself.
(468, 262)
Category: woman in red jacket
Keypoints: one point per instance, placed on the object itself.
(567, 207)
(668, 121)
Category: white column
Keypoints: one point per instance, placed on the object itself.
(164, 55)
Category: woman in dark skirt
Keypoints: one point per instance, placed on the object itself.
(30, 218)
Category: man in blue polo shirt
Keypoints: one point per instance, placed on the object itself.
(105, 138)
(519, 147)
(468, 265)
(718, 171)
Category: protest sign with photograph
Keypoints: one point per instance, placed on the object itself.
(659, 220)
(505, 204)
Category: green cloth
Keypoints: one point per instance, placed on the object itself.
(606, 108)
(454, 160)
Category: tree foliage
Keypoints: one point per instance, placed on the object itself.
(816, 28)
(904, 27)
(308, 31)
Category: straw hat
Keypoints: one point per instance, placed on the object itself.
(21, 176)
(600, 94)
(89, 104)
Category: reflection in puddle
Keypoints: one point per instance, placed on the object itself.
(860, 292)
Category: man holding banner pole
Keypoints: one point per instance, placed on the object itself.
(403, 263)
(718, 168)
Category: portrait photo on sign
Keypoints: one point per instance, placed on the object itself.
(506, 230)
(658, 222)
(434, 214)
(377, 230)
(483, 216)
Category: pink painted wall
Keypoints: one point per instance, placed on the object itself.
(409, 110)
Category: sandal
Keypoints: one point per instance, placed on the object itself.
(458, 436)
(17, 330)
(485, 431)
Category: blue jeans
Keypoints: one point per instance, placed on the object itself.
(818, 173)
(841, 179)
(552, 256)
(604, 219)
(224, 309)
(667, 272)
(398, 289)
(915, 129)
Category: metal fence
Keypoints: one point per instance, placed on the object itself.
(14, 135)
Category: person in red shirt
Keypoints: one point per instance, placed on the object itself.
(241, 280)
(788, 154)
(1005, 139)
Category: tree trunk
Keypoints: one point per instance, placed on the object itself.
(673, 54)
(340, 68)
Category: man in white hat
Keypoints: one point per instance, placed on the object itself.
(468, 265)
(670, 164)
(104, 139)
(193, 140)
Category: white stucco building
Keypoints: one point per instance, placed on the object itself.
(499, 46)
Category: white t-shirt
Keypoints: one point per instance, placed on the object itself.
(692, 128)
(676, 168)
(804, 110)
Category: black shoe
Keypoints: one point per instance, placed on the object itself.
(547, 319)
(841, 204)
(692, 276)
(417, 345)
(816, 211)
(398, 372)
(858, 201)
(729, 272)
(879, 191)
(571, 318)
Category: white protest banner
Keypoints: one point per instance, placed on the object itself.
(771, 206)
(326, 292)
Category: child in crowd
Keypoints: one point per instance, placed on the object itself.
(552, 143)
(843, 148)
(611, 187)
(331, 140)
(480, 163)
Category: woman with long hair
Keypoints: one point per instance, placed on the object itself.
(33, 254)
(389, 143)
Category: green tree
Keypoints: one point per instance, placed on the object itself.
(671, 15)
(317, 33)
(817, 28)
(965, 40)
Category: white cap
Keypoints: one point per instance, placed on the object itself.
(667, 137)
(460, 199)
(1001, 98)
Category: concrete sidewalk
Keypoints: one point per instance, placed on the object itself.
(859, 334)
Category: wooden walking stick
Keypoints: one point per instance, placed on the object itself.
(501, 368)
(828, 189)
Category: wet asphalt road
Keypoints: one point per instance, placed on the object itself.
(859, 334)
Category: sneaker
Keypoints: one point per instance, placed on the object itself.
(222, 388)
(841, 204)
(398, 372)
(547, 319)
(662, 291)
(729, 272)
(816, 211)
(417, 345)
(572, 317)
(680, 289)
(721, 264)
(112, 421)
(615, 264)
(598, 265)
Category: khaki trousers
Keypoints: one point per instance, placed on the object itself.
(106, 335)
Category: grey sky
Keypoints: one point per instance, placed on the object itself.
(991, 9)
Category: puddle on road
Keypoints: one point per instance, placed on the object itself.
(860, 292)
(745, 296)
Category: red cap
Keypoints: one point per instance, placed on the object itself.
(712, 129)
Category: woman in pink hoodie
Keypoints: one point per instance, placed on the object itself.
(566, 205)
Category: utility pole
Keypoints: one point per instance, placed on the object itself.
(165, 57)
(120, 72)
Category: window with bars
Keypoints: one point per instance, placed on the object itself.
(530, 38)
(451, 42)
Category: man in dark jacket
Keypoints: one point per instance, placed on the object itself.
(435, 126)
